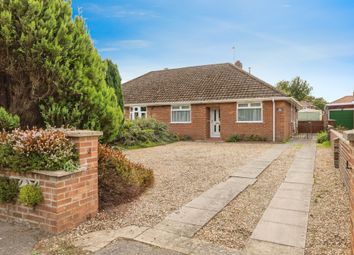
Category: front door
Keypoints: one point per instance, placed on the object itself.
(214, 123)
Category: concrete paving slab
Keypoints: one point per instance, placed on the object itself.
(95, 241)
(256, 247)
(296, 186)
(208, 203)
(295, 218)
(290, 204)
(166, 240)
(294, 194)
(190, 215)
(222, 194)
(280, 233)
(178, 228)
(297, 177)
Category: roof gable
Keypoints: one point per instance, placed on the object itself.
(343, 100)
(198, 83)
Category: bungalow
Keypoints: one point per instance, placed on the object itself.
(342, 111)
(212, 101)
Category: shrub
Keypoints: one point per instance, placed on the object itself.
(8, 121)
(30, 195)
(119, 179)
(145, 131)
(246, 138)
(8, 190)
(37, 149)
(322, 137)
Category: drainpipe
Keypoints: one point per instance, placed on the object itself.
(273, 120)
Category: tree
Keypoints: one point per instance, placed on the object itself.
(114, 81)
(297, 88)
(50, 71)
(319, 102)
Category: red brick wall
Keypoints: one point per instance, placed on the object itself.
(311, 126)
(200, 126)
(69, 198)
(344, 160)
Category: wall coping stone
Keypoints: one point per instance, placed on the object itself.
(82, 133)
(349, 135)
(60, 173)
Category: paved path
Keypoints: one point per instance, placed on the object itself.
(17, 240)
(283, 226)
(175, 232)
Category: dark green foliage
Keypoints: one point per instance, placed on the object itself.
(246, 138)
(322, 137)
(8, 190)
(297, 88)
(142, 132)
(114, 81)
(119, 179)
(47, 58)
(8, 121)
(30, 195)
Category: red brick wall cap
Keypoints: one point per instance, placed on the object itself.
(349, 135)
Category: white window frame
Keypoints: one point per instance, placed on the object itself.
(137, 109)
(249, 106)
(181, 110)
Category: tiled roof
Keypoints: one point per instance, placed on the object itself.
(343, 100)
(199, 83)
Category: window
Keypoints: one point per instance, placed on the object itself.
(138, 112)
(181, 114)
(249, 112)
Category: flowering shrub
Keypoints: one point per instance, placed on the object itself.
(119, 179)
(37, 149)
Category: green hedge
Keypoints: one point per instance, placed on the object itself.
(145, 132)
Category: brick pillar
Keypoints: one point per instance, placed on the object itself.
(349, 136)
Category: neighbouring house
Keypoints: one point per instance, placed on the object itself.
(212, 101)
(309, 112)
(342, 111)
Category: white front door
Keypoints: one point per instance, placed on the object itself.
(214, 123)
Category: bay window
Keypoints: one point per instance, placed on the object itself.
(250, 112)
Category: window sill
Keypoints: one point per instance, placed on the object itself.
(180, 122)
(250, 122)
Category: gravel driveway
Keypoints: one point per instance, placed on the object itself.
(182, 171)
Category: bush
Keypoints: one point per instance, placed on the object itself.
(322, 137)
(119, 179)
(246, 138)
(142, 132)
(37, 149)
(8, 190)
(8, 121)
(30, 195)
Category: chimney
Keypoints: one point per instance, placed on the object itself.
(238, 64)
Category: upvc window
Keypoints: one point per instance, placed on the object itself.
(138, 112)
(180, 114)
(249, 112)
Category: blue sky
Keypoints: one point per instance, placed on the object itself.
(279, 39)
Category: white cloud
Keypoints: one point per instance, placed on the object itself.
(124, 45)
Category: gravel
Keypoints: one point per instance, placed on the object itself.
(182, 171)
(329, 221)
(233, 226)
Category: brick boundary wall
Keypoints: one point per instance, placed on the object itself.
(69, 198)
(343, 151)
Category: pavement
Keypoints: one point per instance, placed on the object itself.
(17, 239)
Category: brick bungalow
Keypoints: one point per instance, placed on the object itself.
(212, 101)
